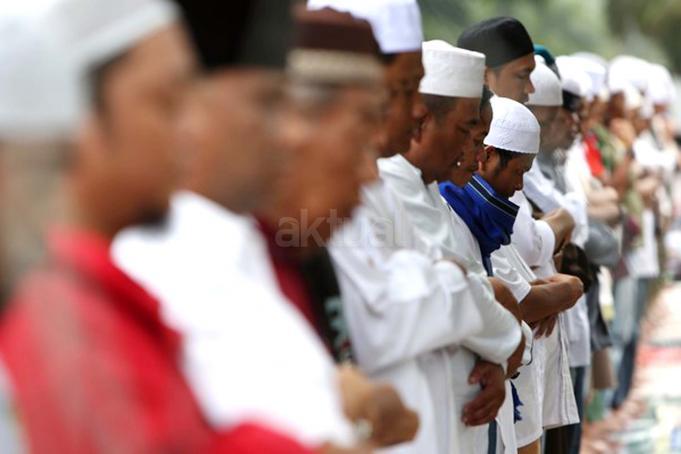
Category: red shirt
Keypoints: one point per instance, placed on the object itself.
(289, 276)
(95, 369)
(593, 155)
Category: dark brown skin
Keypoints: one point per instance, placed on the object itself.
(326, 164)
(227, 137)
(546, 116)
(475, 152)
(512, 80)
(559, 292)
(378, 403)
(485, 407)
(126, 162)
(506, 181)
(402, 78)
(439, 142)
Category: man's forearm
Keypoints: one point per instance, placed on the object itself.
(545, 300)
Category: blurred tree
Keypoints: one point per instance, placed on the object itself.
(657, 19)
(606, 27)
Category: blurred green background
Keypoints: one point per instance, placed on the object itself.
(650, 29)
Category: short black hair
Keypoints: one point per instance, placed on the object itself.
(388, 59)
(486, 98)
(438, 106)
(506, 156)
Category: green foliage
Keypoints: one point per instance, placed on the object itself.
(606, 27)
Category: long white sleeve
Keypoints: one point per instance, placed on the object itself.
(399, 303)
(501, 332)
(534, 239)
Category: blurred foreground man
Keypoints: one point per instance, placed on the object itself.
(93, 366)
(210, 266)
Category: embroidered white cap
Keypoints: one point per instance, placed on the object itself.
(661, 89)
(596, 72)
(547, 87)
(452, 71)
(626, 69)
(514, 127)
(396, 24)
(49, 47)
(574, 79)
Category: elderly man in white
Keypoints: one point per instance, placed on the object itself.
(452, 89)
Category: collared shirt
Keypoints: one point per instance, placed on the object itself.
(94, 367)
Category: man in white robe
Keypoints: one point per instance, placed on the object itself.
(403, 308)
(483, 206)
(452, 97)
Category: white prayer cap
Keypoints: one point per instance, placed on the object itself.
(661, 88)
(632, 97)
(628, 69)
(595, 58)
(574, 79)
(452, 71)
(396, 24)
(49, 47)
(547, 88)
(514, 127)
(596, 72)
(40, 98)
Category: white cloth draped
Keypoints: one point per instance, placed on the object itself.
(247, 353)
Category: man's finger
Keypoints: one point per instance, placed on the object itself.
(491, 407)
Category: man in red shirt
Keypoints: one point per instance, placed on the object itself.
(93, 367)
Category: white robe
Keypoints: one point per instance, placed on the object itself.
(544, 193)
(247, 353)
(551, 354)
(405, 312)
(436, 234)
(579, 180)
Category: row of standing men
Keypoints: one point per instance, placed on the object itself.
(361, 241)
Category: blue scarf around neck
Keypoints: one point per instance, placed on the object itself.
(489, 216)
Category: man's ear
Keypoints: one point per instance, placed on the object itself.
(487, 161)
(490, 151)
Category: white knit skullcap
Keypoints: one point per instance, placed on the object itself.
(627, 69)
(451, 71)
(596, 72)
(574, 79)
(547, 87)
(514, 127)
(661, 89)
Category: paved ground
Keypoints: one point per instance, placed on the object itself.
(650, 421)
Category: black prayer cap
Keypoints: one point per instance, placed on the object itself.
(239, 32)
(501, 39)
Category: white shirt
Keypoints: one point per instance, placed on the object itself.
(247, 353)
(437, 234)
(544, 193)
(404, 311)
(548, 378)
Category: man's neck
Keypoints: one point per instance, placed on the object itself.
(412, 159)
